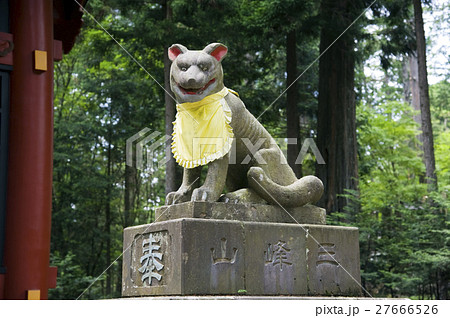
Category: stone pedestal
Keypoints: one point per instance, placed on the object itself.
(308, 214)
(192, 256)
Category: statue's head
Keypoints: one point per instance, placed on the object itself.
(196, 74)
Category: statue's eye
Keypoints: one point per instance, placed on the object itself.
(183, 67)
(203, 67)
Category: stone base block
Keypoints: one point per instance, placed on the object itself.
(308, 214)
(217, 257)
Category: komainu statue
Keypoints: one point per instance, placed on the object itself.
(213, 127)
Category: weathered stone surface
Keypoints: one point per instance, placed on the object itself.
(170, 246)
(254, 297)
(218, 257)
(199, 257)
(308, 214)
(213, 257)
(333, 259)
(276, 259)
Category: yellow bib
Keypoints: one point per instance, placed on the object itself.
(202, 131)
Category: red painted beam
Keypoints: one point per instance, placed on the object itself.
(28, 214)
(2, 286)
(52, 276)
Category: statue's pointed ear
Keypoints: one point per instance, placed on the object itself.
(217, 50)
(176, 50)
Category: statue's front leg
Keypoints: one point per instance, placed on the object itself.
(214, 183)
(191, 180)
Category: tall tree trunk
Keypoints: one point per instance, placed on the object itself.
(293, 125)
(406, 75)
(412, 96)
(108, 219)
(415, 89)
(442, 278)
(427, 130)
(118, 286)
(130, 194)
(337, 105)
(171, 183)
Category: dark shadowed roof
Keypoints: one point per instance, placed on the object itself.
(67, 21)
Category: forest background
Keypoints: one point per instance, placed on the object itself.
(363, 102)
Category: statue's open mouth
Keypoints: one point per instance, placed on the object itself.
(194, 91)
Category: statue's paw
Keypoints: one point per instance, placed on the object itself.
(182, 195)
(203, 194)
(243, 196)
(229, 198)
(169, 198)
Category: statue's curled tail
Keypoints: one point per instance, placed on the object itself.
(306, 190)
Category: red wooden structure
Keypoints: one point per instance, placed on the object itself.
(33, 33)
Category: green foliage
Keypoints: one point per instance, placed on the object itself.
(440, 112)
(394, 35)
(72, 280)
(404, 235)
(101, 98)
(442, 153)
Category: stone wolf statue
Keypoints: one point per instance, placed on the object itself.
(213, 126)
